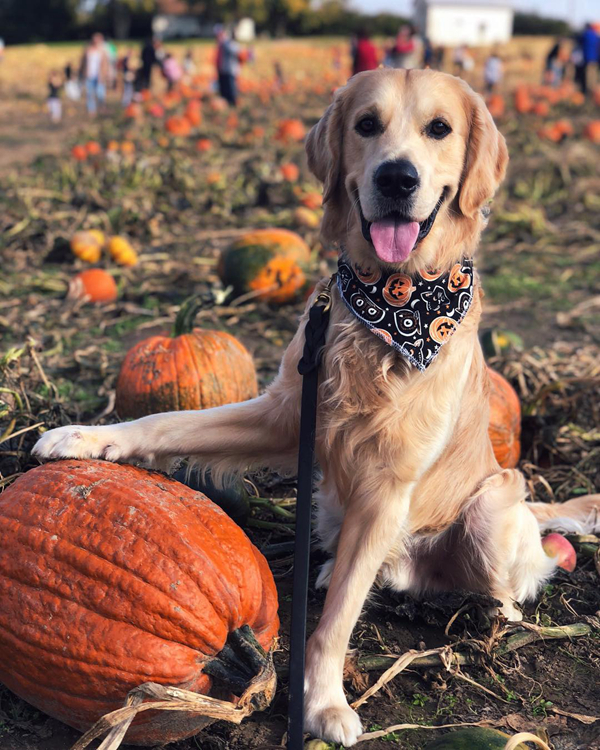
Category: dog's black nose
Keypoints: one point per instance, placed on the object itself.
(396, 179)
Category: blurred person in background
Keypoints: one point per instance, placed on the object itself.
(415, 58)
(113, 60)
(72, 87)
(428, 53)
(492, 72)
(364, 53)
(400, 53)
(229, 59)
(579, 67)
(55, 84)
(462, 61)
(148, 56)
(95, 73)
(127, 69)
(189, 64)
(278, 74)
(172, 71)
(590, 47)
(556, 61)
(336, 55)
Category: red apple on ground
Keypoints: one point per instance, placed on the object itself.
(555, 545)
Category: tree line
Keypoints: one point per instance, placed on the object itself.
(58, 20)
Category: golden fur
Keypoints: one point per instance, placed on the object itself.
(411, 489)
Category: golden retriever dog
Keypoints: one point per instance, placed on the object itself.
(410, 490)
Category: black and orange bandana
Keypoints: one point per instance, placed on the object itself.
(414, 314)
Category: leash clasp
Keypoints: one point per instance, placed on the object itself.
(323, 299)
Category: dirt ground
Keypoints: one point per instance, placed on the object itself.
(540, 266)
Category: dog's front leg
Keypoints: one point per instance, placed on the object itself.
(230, 437)
(262, 431)
(373, 524)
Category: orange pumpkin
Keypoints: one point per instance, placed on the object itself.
(496, 106)
(541, 109)
(93, 148)
(128, 148)
(312, 200)
(179, 126)
(266, 262)
(193, 369)
(289, 172)
(304, 217)
(87, 245)
(592, 131)
(121, 251)
(505, 421)
(133, 111)
(93, 285)
(523, 103)
(112, 576)
(564, 127)
(156, 110)
(79, 153)
(290, 131)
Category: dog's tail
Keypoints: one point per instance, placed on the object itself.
(578, 516)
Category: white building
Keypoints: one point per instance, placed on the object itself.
(184, 19)
(477, 23)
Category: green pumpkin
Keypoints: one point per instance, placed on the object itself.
(267, 263)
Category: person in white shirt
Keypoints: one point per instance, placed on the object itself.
(492, 72)
(95, 70)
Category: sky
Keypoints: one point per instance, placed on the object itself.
(574, 11)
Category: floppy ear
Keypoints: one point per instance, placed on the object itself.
(324, 147)
(485, 162)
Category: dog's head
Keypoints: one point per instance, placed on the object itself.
(408, 159)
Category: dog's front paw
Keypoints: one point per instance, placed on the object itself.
(335, 723)
(77, 441)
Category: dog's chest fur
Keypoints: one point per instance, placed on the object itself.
(380, 413)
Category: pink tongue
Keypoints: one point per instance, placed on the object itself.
(394, 240)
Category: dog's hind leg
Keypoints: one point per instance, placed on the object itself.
(516, 562)
(371, 526)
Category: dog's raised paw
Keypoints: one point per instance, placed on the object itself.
(78, 441)
(334, 724)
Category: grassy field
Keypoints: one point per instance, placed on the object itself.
(179, 205)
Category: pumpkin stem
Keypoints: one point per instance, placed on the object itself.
(239, 661)
(184, 322)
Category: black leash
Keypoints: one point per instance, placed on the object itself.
(308, 367)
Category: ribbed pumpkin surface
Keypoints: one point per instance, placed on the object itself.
(505, 421)
(268, 262)
(196, 370)
(111, 576)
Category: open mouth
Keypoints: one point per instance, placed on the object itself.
(395, 236)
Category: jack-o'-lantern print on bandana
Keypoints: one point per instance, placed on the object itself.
(415, 314)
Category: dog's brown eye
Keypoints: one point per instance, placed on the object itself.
(367, 126)
(438, 129)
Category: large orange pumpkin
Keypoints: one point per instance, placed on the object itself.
(267, 263)
(505, 421)
(193, 369)
(112, 576)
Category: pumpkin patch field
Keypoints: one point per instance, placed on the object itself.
(159, 258)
